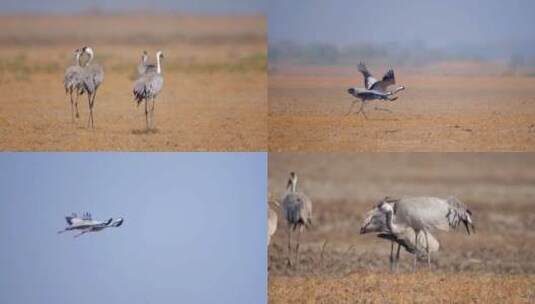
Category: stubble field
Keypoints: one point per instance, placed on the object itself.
(338, 265)
(213, 99)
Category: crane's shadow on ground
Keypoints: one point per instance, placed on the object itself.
(145, 131)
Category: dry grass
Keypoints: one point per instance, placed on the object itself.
(421, 287)
(437, 112)
(214, 95)
(338, 265)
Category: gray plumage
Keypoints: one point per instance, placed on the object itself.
(147, 87)
(92, 78)
(427, 214)
(72, 82)
(375, 221)
(297, 208)
(272, 224)
(373, 89)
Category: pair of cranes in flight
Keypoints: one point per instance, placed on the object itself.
(407, 222)
(85, 223)
(87, 77)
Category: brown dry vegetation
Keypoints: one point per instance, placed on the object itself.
(214, 95)
(445, 108)
(338, 265)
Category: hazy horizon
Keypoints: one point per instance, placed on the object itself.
(468, 28)
(216, 7)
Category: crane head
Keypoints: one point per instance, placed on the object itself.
(292, 181)
(159, 54)
(375, 221)
(353, 91)
(88, 51)
(118, 222)
(385, 207)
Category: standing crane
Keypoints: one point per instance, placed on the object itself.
(147, 87)
(373, 89)
(375, 222)
(297, 208)
(71, 82)
(426, 214)
(92, 77)
(86, 224)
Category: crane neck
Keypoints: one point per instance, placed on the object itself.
(77, 59)
(158, 68)
(390, 223)
(292, 185)
(90, 59)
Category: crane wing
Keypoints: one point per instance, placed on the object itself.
(369, 81)
(383, 84)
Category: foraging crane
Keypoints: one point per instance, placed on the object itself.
(272, 222)
(375, 222)
(426, 214)
(92, 77)
(297, 208)
(373, 89)
(71, 82)
(86, 224)
(147, 88)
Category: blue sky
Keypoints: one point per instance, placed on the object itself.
(194, 229)
(187, 6)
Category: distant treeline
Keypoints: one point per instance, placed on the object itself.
(411, 54)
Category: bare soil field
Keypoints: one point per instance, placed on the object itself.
(446, 108)
(213, 99)
(338, 265)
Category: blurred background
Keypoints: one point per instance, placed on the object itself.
(191, 230)
(408, 34)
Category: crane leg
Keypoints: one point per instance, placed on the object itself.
(289, 245)
(92, 105)
(297, 246)
(147, 113)
(392, 256)
(77, 235)
(77, 114)
(427, 250)
(72, 107)
(361, 110)
(89, 101)
(152, 111)
(351, 106)
(397, 257)
(416, 232)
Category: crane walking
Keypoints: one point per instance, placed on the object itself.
(92, 78)
(297, 208)
(148, 86)
(71, 82)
